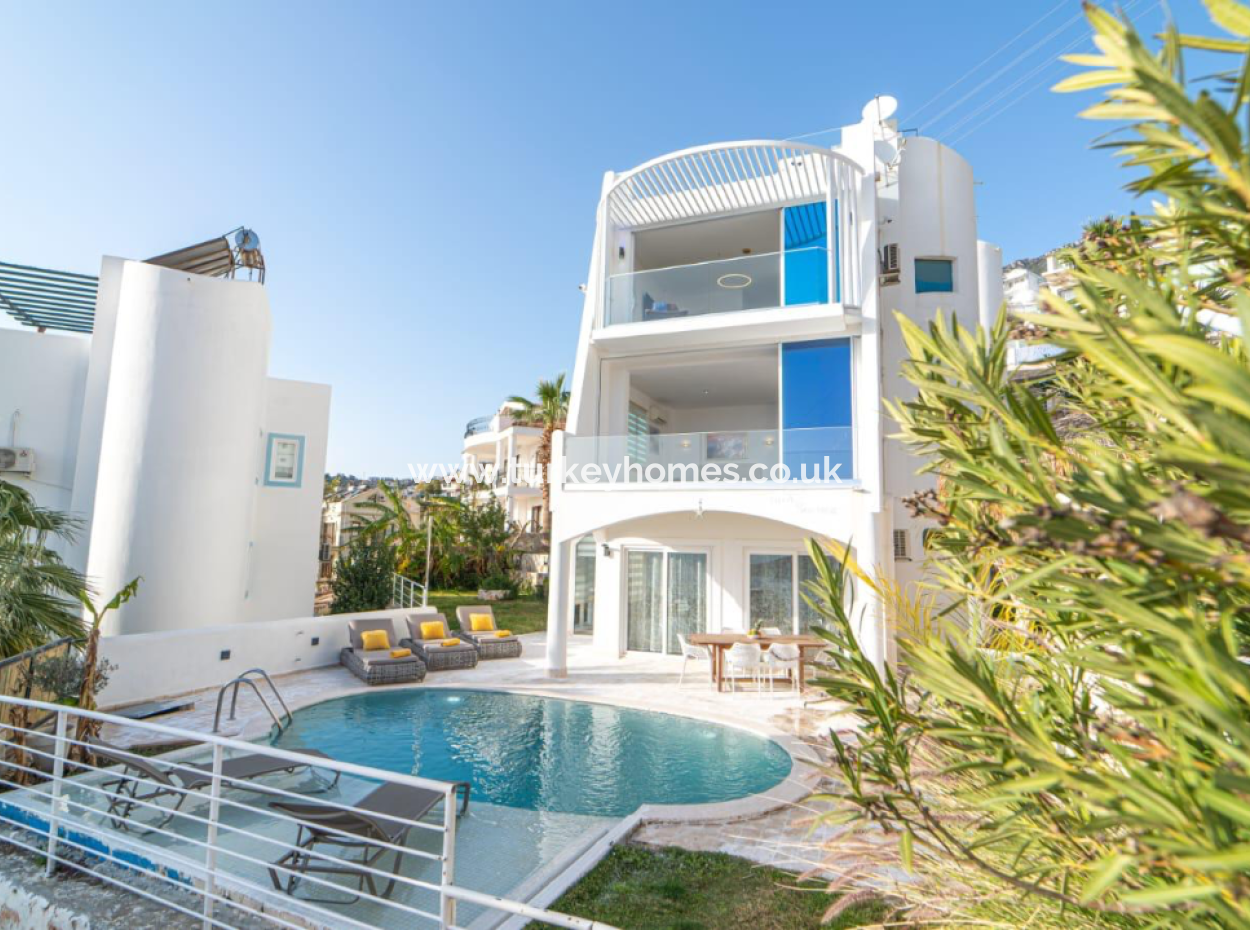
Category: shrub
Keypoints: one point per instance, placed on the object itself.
(1099, 518)
(62, 676)
(364, 577)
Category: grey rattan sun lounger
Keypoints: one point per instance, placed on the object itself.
(363, 829)
(145, 782)
(489, 645)
(376, 667)
(433, 653)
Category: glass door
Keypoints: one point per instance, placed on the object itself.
(778, 583)
(665, 594)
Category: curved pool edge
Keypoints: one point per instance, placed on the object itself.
(802, 781)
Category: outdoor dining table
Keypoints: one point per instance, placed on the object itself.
(717, 643)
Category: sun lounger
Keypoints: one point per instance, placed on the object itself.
(145, 781)
(438, 652)
(378, 666)
(490, 644)
(369, 829)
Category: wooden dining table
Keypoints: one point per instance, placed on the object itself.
(717, 643)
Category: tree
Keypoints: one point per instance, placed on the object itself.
(392, 523)
(91, 661)
(1097, 522)
(550, 410)
(364, 577)
(38, 592)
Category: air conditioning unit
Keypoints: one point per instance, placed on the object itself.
(17, 461)
(891, 263)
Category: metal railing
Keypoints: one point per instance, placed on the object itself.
(246, 679)
(201, 837)
(407, 593)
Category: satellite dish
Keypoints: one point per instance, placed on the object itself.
(881, 107)
(247, 240)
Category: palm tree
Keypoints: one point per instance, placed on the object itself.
(549, 410)
(39, 593)
(392, 524)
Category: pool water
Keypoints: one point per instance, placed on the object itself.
(542, 754)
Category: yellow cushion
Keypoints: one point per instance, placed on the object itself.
(481, 623)
(502, 633)
(375, 639)
(433, 629)
(450, 642)
(400, 653)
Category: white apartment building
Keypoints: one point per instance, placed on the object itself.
(740, 311)
(503, 450)
(139, 402)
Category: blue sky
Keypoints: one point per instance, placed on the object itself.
(423, 177)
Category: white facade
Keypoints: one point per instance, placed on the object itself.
(504, 452)
(740, 309)
(185, 462)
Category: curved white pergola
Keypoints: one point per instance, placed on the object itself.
(728, 177)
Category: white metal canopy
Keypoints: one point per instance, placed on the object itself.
(728, 177)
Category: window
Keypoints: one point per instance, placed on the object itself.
(284, 461)
(816, 398)
(935, 275)
(902, 552)
(778, 583)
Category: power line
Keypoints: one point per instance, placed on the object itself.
(1010, 103)
(1007, 67)
(1002, 48)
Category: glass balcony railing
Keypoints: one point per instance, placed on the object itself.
(820, 455)
(752, 282)
(478, 425)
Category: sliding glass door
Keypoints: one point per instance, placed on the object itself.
(665, 595)
(778, 582)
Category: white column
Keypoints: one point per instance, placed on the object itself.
(559, 579)
(511, 455)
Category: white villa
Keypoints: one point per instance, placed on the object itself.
(139, 402)
(505, 448)
(739, 317)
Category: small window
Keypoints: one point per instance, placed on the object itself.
(284, 461)
(935, 275)
(902, 552)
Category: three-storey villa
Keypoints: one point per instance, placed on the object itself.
(736, 346)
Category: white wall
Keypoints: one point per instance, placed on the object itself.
(282, 574)
(41, 387)
(181, 449)
(155, 665)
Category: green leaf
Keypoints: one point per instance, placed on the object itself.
(1230, 14)
(1104, 875)
(906, 851)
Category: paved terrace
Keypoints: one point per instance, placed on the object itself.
(771, 829)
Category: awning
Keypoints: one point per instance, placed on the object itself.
(48, 299)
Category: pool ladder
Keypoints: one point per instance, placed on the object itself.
(246, 679)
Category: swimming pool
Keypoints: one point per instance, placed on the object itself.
(542, 754)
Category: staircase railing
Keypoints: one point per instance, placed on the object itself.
(246, 679)
(407, 593)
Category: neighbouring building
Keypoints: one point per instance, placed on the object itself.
(502, 449)
(139, 401)
(739, 319)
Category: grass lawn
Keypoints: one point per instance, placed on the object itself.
(639, 888)
(520, 615)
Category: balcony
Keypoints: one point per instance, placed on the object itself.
(478, 425)
(751, 282)
(817, 455)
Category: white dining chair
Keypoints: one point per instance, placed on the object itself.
(783, 657)
(688, 652)
(747, 658)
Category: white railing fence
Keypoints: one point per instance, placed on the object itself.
(192, 830)
(407, 593)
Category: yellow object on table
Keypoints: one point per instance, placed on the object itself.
(433, 629)
(450, 642)
(502, 633)
(373, 640)
(481, 623)
(400, 653)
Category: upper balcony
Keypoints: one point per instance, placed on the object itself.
(697, 238)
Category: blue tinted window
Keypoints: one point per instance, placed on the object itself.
(816, 406)
(934, 275)
(807, 261)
